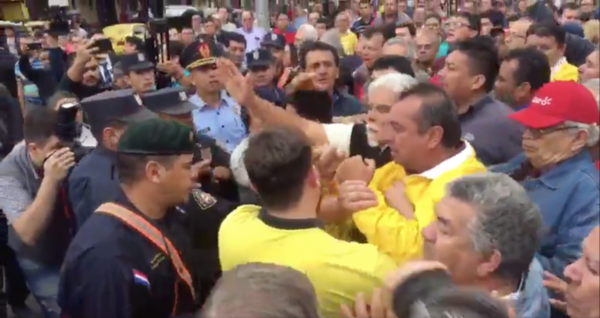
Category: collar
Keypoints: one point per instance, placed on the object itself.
(288, 224)
(450, 163)
(554, 177)
(558, 65)
(486, 99)
(201, 104)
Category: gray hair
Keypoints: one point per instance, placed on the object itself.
(257, 290)
(394, 82)
(310, 33)
(507, 221)
(332, 37)
(410, 47)
(593, 131)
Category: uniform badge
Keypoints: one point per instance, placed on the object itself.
(203, 199)
(273, 36)
(141, 57)
(182, 96)
(204, 50)
(255, 55)
(204, 130)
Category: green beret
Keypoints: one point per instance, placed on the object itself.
(157, 137)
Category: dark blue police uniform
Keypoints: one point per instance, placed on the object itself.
(93, 181)
(258, 61)
(116, 269)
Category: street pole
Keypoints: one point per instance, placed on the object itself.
(262, 14)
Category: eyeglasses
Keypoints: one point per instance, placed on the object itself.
(458, 24)
(538, 133)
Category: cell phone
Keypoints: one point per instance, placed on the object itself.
(103, 45)
(206, 153)
(34, 46)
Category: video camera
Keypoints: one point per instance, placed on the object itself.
(68, 130)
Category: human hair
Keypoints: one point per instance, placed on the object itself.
(437, 109)
(260, 290)
(398, 63)
(433, 16)
(234, 37)
(308, 47)
(394, 82)
(370, 32)
(568, 6)
(460, 302)
(473, 19)
(332, 37)
(412, 30)
(278, 161)
(310, 33)
(483, 59)
(409, 45)
(323, 20)
(533, 67)
(209, 18)
(546, 29)
(591, 31)
(507, 221)
(40, 124)
(496, 17)
(175, 48)
(58, 96)
(132, 168)
(135, 41)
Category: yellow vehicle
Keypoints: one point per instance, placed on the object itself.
(13, 10)
(117, 33)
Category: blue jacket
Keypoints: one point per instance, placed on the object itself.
(533, 299)
(345, 105)
(567, 196)
(91, 183)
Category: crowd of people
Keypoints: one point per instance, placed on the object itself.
(391, 162)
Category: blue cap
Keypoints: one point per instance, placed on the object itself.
(273, 40)
(260, 57)
(573, 28)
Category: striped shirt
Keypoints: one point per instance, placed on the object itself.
(359, 26)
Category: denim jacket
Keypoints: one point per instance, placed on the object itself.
(533, 299)
(567, 196)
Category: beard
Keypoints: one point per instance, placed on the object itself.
(372, 139)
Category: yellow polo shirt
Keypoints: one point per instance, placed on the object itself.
(391, 232)
(564, 72)
(338, 270)
(349, 42)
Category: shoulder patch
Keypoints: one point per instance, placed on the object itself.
(203, 199)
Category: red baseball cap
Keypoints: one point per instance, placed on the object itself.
(558, 102)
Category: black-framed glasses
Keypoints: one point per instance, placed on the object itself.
(458, 24)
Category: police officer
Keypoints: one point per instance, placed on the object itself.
(261, 68)
(138, 72)
(172, 103)
(218, 114)
(131, 258)
(276, 44)
(93, 181)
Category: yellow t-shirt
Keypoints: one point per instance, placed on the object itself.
(338, 270)
(391, 232)
(349, 42)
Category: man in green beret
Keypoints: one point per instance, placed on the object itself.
(131, 257)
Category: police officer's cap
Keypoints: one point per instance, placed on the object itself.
(170, 101)
(157, 137)
(200, 53)
(273, 40)
(135, 62)
(122, 105)
(259, 58)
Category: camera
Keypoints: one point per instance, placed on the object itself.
(68, 130)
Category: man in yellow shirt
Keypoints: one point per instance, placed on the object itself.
(549, 38)
(424, 135)
(347, 37)
(286, 231)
